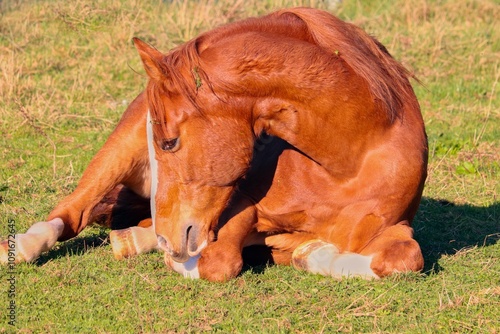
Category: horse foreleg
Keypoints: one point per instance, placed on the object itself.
(133, 240)
(282, 245)
(122, 160)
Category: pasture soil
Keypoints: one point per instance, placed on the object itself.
(68, 70)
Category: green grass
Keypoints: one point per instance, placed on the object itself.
(68, 71)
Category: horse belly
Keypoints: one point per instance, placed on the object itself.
(300, 197)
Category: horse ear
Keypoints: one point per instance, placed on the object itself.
(151, 59)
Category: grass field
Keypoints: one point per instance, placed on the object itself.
(68, 70)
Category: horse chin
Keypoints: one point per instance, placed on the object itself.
(179, 257)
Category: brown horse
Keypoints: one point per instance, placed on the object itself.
(296, 131)
(351, 174)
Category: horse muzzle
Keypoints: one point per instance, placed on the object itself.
(191, 244)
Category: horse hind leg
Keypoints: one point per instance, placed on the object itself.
(393, 251)
(121, 209)
(26, 247)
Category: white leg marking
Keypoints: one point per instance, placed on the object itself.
(188, 269)
(319, 257)
(144, 239)
(352, 264)
(133, 241)
(39, 238)
(153, 165)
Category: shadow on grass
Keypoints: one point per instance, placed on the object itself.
(76, 247)
(444, 228)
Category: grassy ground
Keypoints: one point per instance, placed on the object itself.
(67, 72)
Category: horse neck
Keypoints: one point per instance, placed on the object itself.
(334, 126)
(308, 96)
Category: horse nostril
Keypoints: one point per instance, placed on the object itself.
(188, 247)
(178, 256)
(188, 230)
(162, 243)
(189, 233)
(191, 238)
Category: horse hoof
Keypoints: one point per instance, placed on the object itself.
(4, 252)
(9, 253)
(122, 243)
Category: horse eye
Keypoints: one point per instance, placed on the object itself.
(169, 144)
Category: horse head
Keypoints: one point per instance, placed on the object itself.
(202, 147)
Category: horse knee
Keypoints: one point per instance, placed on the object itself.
(398, 256)
(220, 264)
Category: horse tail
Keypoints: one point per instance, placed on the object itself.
(388, 80)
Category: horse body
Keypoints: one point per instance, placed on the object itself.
(341, 175)
(347, 212)
(359, 161)
(296, 200)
